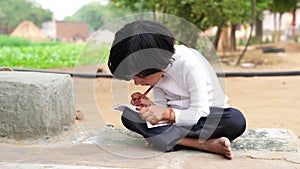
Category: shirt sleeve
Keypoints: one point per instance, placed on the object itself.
(159, 97)
(199, 86)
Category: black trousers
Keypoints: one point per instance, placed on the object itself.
(220, 122)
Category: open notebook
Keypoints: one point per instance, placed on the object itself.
(121, 107)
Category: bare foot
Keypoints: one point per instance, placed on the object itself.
(220, 146)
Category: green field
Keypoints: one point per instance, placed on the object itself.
(16, 53)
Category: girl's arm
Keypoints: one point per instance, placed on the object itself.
(199, 88)
(159, 97)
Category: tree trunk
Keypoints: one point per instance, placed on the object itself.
(223, 41)
(279, 27)
(258, 30)
(253, 4)
(154, 12)
(163, 11)
(217, 37)
(275, 28)
(232, 38)
(294, 23)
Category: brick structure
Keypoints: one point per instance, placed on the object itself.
(71, 31)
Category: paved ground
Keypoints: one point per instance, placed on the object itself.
(110, 147)
(93, 145)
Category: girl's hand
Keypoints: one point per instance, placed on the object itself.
(136, 101)
(154, 114)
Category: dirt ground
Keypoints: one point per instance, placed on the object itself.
(267, 102)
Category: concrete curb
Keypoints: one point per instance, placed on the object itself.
(110, 147)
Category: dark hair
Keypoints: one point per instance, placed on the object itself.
(139, 46)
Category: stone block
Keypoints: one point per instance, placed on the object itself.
(35, 105)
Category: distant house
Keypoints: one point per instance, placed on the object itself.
(67, 31)
(71, 31)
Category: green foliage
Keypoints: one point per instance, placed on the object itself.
(261, 5)
(202, 13)
(253, 41)
(6, 40)
(39, 56)
(282, 6)
(97, 15)
(267, 40)
(43, 55)
(94, 54)
(13, 41)
(296, 38)
(13, 12)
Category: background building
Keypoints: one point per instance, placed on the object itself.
(66, 31)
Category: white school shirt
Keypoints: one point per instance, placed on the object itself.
(190, 86)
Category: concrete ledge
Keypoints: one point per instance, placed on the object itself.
(119, 148)
(262, 143)
(35, 105)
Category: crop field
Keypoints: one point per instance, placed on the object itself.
(18, 53)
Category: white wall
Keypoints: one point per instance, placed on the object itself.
(286, 28)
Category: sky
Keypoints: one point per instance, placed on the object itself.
(63, 8)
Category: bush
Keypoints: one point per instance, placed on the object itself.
(40, 56)
(17, 41)
(296, 38)
(13, 41)
(19, 52)
(51, 56)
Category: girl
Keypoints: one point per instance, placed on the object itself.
(186, 91)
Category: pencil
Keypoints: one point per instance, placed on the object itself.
(137, 102)
(146, 92)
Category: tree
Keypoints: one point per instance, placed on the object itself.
(253, 11)
(237, 13)
(202, 13)
(261, 5)
(97, 15)
(294, 20)
(15, 11)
